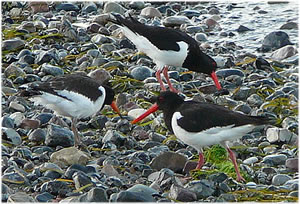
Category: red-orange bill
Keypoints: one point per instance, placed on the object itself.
(152, 109)
(215, 78)
(115, 108)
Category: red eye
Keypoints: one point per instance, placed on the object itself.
(214, 64)
(161, 99)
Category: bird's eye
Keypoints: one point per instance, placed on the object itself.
(214, 64)
(161, 99)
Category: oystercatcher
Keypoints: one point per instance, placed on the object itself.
(75, 95)
(203, 124)
(167, 47)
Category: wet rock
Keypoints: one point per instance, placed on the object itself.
(242, 29)
(67, 7)
(201, 37)
(203, 188)
(211, 23)
(150, 12)
(20, 197)
(172, 21)
(44, 118)
(12, 44)
(250, 160)
(189, 165)
(255, 100)
(27, 25)
(280, 179)
(30, 124)
(182, 194)
(171, 160)
(284, 52)
(109, 170)
(141, 72)
(11, 135)
(157, 137)
(58, 136)
(289, 26)
(52, 70)
(89, 7)
(69, 156)
(242, 93)
(275, 40)
(16, 106)
(100, 75)
(134, 113)
(44, 197)
(96, 194)
(292, 164)
(113, 7)
(127, 196)
(114, 137)
(56, 188)
(226, 198)
(18, 117)
(7, 122)
(13, 178)
(213, 11)
(229, 72)
(80, 180)
(13, 70)
(281, 135)
(275, 159)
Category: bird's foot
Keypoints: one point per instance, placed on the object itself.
(240, 178)
(81, 146)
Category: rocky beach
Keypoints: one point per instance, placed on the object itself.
(255, 45)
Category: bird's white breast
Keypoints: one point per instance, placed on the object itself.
(78, 105)
(210, 136)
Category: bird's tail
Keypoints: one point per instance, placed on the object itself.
(28, 90)
(122, 21)
(263, 120)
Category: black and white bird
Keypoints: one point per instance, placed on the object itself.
(167, 47)
(203, 124)
(75, 95)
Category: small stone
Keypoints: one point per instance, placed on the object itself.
(67, 7)
(213, 11)
(100, 75)
(201, 37)
(109, 170)
(44, 197)
(113, 7)
(203, 188)
(127, 196)
(189, 165)
(96, 194)
(134, 113)
(211, 23)
(242, 29)
(280, 179)
(172, 21)
(137, 5)
(12, 44)
(80, 180)
(250, 160)
(284, 52)
(20, 197)
(89, 7)
(255, 100)
(114, 137)
(242, 93)
(141, 72)
(275, 159)
(69, 156)
(143, 189)
(52, 70)
(7, 122)
(275, 40)
(16, 106)
(289, 26)
(39, 7)
(281, 135)
(171, 160)
(157, 137)
(13, 178)
(18, 117)
(11, 135)
(150, 12)
(229, 72)
(50, 166)
(58, 136)
(13, 70)
(292, 164)
(182, 194)
(30, 124)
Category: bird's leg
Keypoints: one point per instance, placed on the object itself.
(165, 73)
(75, 132)
(200, 161)
(157, 74)
(233, 159)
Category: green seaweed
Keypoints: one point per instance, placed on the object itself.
(123, 83)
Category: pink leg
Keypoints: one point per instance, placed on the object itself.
(157, 74)
(200, 161)
(233, 159)
(165, 73)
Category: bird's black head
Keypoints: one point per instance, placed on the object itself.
(208, 64)
(168, 100)
(110, 94)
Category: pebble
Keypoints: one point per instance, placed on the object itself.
(141, 72)
(13, 70)
(170, 160)
(44, 197)
(67, 7)
(181, 194)
(30, 124)
(280, 179)
(281, 135)
(100, 75)
(12, 44)
(11, 135)
(255, 100)
(201, 37)
(275, 159)
(289, 26)
(58, 136)
(16, 106)
(275, 40)
(172, 21)
(150, 12)
(69, 156)
(250, 160)
(127, 196)
(96, 194)
(7, 122)
(113, 7)
(20, 197)
(284, 52)
(203, 188)
(242, 29)
(229, 72)
(292, 164)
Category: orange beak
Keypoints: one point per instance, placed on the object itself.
(115, 108)
(152, 109)
(215, 78)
